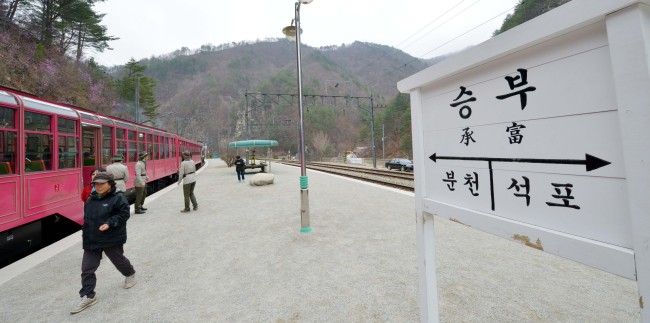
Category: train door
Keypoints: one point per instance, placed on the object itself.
(90, 149)
(9, 162)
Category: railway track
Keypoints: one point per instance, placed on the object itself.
(399, 180)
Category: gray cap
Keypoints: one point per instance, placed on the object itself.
(102, 178)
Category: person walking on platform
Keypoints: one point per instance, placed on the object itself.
(140, 183)
(240, 167)
(186, 175)
(119, 171)
(104, 230)
(85, 194)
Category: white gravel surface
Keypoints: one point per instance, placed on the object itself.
(241, 258)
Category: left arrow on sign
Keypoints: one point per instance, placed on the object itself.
(590, 161)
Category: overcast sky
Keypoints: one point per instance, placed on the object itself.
(422, 28)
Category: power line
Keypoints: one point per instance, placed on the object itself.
(452, 17)
(409, 37)
(430, 23)
(485, 22)
(395, 69)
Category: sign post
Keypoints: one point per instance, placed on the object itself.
(539, 135)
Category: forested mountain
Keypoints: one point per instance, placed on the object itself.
(202, 93)
(527, 10)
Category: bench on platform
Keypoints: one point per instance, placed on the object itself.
(261, 166)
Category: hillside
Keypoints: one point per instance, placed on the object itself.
(202, 94)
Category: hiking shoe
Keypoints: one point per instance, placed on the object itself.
(129, 281)
(84, 303)
(185, 210)
(196, 208)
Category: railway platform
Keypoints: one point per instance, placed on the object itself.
(242, 258)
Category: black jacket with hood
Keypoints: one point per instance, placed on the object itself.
(112, 209)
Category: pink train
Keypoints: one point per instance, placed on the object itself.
(47, 151)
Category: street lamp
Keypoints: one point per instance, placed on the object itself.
(293, 32)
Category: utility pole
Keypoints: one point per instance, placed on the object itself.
(246, 115)
(383, 151)
(137, 98)
(372, 130)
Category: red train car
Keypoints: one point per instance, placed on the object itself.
(47, 151)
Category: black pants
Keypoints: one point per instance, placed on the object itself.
(188, 194)
(90, 263)
(140, 195)
(240, 174)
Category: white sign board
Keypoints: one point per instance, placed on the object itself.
(533, 136)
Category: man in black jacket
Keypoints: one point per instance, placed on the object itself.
(104, 230)
(240, 167)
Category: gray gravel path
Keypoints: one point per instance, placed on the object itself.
(241, 258)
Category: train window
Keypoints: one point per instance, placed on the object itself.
(67, 126)
(163, 145)
(88, 116)
(7, 98)
(38, 142)
(131, 135)
(38, 152)
(107, 145)
(133, 155)
(141, 144)
(156, 147)
(121, 149)
(48, 107)
(7, 118)
(88, 146)
(38, 122)
(119, 133)
(124, 125)
(170, 147)
(68, 152)
(106, 121)
(7, 141)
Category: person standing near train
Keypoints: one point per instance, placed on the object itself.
(186, 175)
(119, 171)
(140, 182)
(104, 231)
(88, 189)
(240, 168)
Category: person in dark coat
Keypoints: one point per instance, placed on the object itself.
(103, 231)
(240, 167)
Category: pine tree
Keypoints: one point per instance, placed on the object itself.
(126, 88)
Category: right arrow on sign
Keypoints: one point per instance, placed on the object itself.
(590, 161)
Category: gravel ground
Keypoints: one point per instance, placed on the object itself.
(241, 258)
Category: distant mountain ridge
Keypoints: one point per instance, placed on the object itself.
(206, 88)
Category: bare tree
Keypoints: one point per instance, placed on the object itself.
(320, 141)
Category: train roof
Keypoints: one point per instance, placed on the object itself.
(87, 117)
